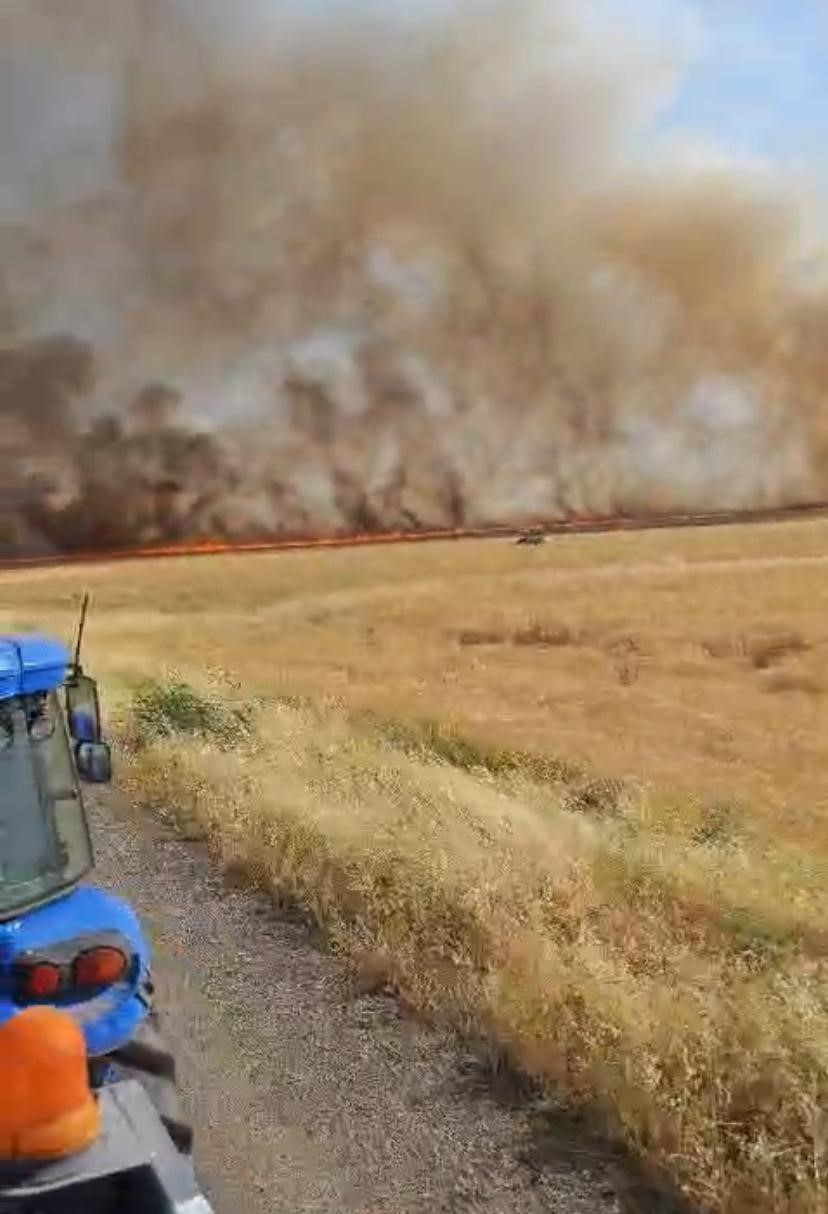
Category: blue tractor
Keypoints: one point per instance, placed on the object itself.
(63, 943)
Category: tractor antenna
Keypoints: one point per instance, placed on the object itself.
(79, 637)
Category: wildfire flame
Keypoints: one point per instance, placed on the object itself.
(576, 525)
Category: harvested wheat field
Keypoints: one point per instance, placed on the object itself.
(571, 797)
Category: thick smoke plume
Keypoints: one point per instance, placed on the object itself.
(360, 273)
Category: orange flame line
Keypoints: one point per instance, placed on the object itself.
(209, 547)
(574, 526)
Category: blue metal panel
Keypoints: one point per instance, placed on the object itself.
(30, 664)
(111, 1018)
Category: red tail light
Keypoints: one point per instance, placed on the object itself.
(70, 972)
(40, 981)
(101, 966)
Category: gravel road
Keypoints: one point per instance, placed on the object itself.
(306, 1098)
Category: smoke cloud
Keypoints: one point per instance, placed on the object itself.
(357, 272)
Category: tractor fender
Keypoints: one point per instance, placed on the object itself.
(110, 1018)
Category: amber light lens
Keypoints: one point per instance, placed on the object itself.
(100, 966)
(47, 1110)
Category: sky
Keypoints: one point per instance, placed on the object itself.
(753, 76)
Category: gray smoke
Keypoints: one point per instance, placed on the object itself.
(367, 274)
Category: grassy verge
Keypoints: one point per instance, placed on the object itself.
(665, 964)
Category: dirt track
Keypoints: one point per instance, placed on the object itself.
(306, 1098)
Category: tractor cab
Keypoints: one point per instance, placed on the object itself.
(50, 740)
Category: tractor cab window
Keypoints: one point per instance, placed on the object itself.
(44, 840)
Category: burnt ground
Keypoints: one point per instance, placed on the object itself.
(309, 1098)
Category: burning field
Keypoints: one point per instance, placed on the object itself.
(335, 271)
(568, 797)
(341, 271)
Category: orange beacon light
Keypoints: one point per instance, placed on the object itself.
(47, 1110)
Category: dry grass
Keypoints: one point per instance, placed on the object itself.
(610, 851)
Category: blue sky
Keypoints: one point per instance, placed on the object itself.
(754, 73)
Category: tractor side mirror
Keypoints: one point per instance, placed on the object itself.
(83, 712)
(94, 762)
